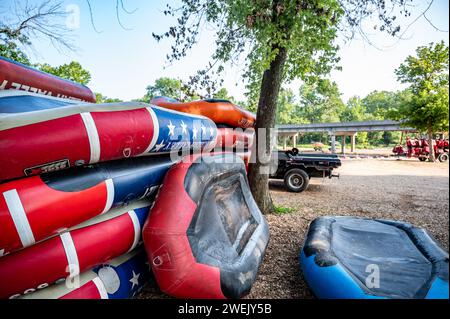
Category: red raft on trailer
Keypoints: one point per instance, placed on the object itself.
(205, 236)
(73, 252)
(220, 111)
(40, 134)
(16, 76)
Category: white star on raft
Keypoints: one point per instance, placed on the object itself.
(159, 146)
(135, 279)
(171, 128)
(194, 133)
(203, 130)
(183, 126)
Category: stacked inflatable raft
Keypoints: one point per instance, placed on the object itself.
(235, 130)
(78, 179)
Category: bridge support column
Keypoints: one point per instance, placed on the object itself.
(333, 143)
(353, 142)
(343, 144)
(295, 140)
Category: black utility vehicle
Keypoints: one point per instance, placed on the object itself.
(297, 168)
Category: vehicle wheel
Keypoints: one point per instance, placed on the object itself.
(443, 157)
(296, 180)
(422, 159)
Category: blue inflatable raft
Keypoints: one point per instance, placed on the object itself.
(357, 258)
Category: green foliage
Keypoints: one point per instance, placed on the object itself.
(224, 95)
(100, 98)
(165, 87)
(378, 104)
(425, 104)
(354, 111)
(173, 88)
(10, 50)
(287, 109)
(426, 71)
(72, 71)
(320, 102)
(283, 210)
(258, 29)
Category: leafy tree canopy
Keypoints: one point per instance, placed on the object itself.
(378, 103)
(72, 71)
(259, 29)
(426, 107)
(100, 98)
(224, 95)
(11, 51)
(164, 86)
(288, 109)
(354, 110)
(320, 102)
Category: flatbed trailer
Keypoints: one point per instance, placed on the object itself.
(296, 169)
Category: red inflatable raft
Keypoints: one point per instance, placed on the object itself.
(73, 252)
(232, 138)
(220, 111)
(205, 236)
(37, 207)
(16, 76)
(51, 136)
(122, 277)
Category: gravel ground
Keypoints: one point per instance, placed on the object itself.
(406, 190)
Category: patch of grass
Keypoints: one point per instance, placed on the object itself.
(283, 210)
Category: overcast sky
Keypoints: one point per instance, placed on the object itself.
(123, 62)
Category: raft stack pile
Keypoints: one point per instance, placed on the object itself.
(73, 199)
(77, 181)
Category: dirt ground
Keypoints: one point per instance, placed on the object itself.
(406, 190)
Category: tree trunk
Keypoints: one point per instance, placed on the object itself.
(430, 143)
(258, 174)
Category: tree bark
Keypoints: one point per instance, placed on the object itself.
(431, 158)
(265, 119)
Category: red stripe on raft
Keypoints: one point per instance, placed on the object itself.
(20, 77)
(48, 211)
(60, 139)
(124, 133)
(231, 138)
(29, 148)
(46, 262)
(87, 291)
(167, 245)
